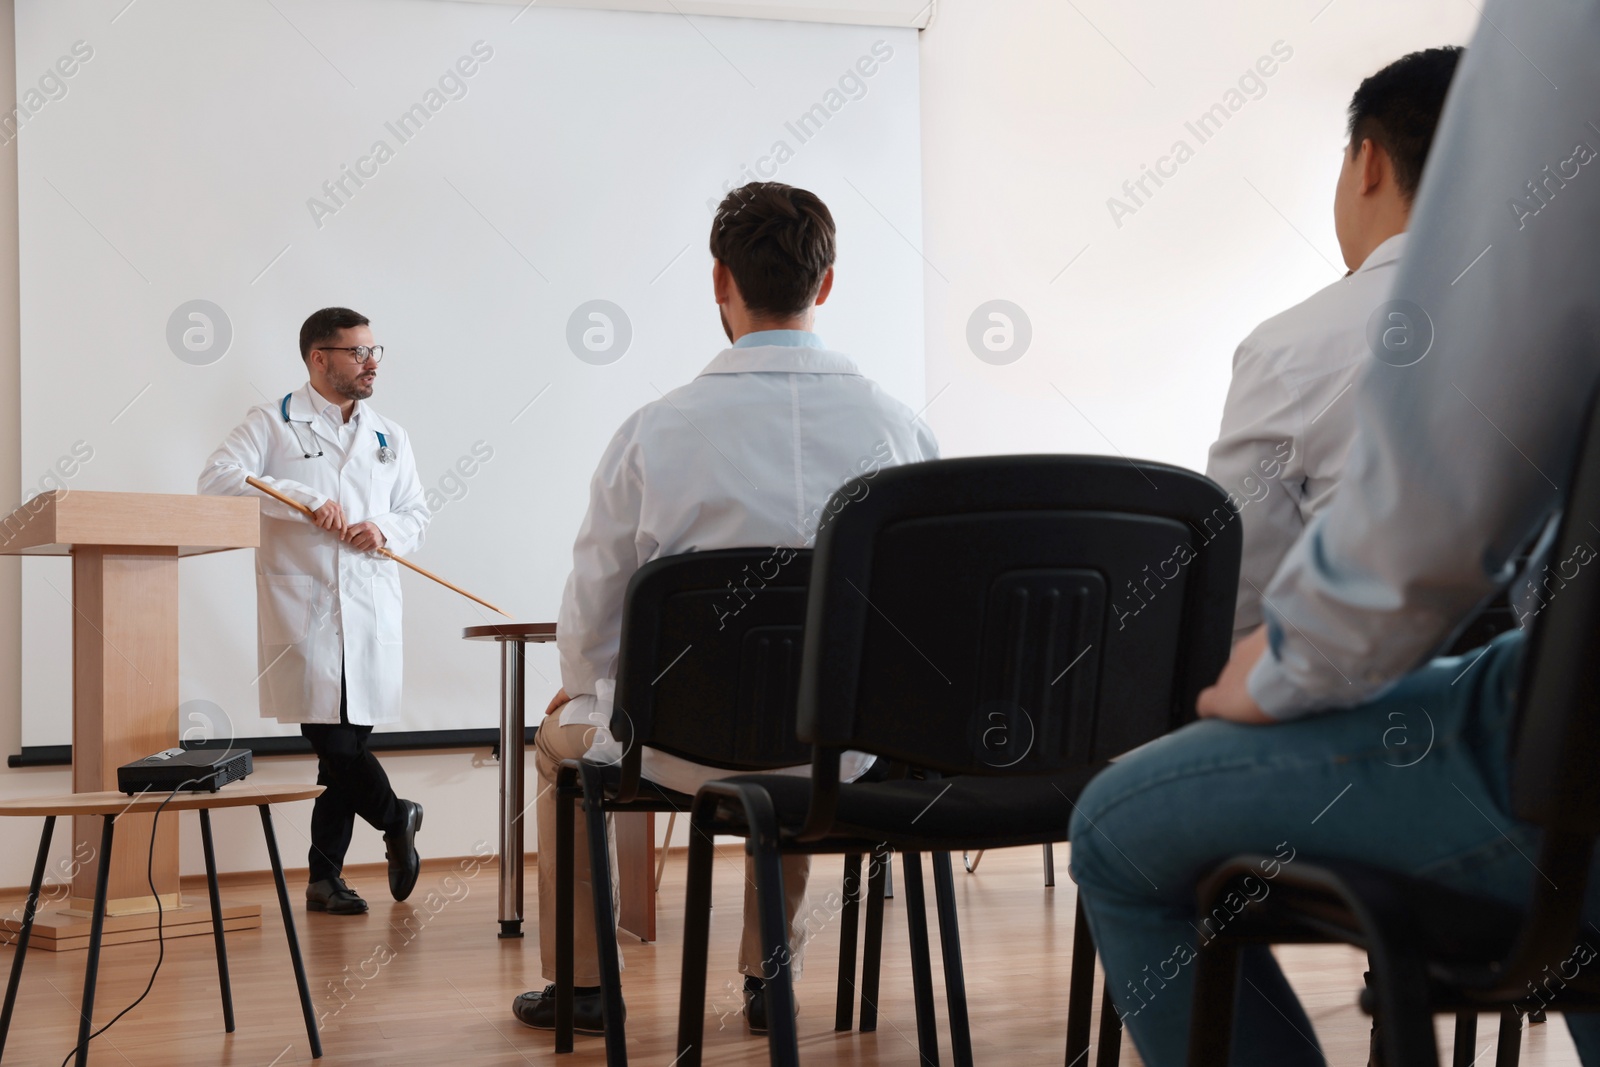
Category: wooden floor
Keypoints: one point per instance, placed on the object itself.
(427, 982)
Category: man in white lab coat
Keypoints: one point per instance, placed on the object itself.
(1288, 424)
(328, 607)
(745, 455)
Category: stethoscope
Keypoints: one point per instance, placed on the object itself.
(385, 453)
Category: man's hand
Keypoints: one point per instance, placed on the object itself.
(365, 536)
(1230, 698)
(330, 516)
(557, 702)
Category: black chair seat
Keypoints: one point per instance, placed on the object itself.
(942, 815)
(648, 797)
(1342, 901)
(1462, 937)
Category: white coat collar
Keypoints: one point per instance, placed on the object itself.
(305, 404)
(780, 359)
(1386, 253)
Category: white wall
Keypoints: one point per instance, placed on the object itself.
(1034, 114)
(1031, 119)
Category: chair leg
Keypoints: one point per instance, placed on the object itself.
(1375, 1034)
(696, 936)
(1509, 1052)
(921, 964)
(970, 860)
(888, 883)
(216, 920)
(288, 933)
(1049, 865)
(1216, 977)
(97, 923)
(955, 981)
(1466, 1038)
(849, 932)
(1080, 990)
(605, 920)
(1110, 1053)
(566, 792)
(783, 1040)
(26, 931)
(1401, 985)
(872, 954)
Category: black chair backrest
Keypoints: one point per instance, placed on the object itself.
(709, 664)
(1016, 614)
(1554, 781)
(1555, 773)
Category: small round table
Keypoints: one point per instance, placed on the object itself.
(113, 805)
(514, 638)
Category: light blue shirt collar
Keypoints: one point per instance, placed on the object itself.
(781, 338)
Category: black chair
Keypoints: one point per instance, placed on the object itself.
(708, 670)
(1435, 949)
(1013, 621)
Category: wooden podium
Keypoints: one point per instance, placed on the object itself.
(125, 549)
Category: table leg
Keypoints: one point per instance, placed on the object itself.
(26, 930)
(216, 920)
(97, 922)
(636, 850)
(288, 932)
(513, 731)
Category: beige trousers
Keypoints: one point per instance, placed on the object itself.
(554, 743)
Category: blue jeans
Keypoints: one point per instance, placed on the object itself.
(1415, 781)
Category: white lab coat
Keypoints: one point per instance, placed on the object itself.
(323, 606)
(1290, 417)
(746, 455)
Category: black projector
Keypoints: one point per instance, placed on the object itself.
(189, 770)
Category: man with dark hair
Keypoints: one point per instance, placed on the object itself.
(745, 455)
(1332, 732)
(1286, 420)
(329, 608)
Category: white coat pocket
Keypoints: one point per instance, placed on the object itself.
(386, 604)
(284, 607)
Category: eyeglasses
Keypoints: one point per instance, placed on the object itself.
(360, 353)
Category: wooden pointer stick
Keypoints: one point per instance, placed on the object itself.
(308, 513)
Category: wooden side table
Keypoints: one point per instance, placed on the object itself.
(112, 806)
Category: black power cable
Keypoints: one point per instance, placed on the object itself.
(161, 940)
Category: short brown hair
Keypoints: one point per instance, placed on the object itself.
(778, 242)
(323, 324)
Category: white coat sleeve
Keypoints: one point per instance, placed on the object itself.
(244, 453)
(406, 521)
(604, 559)
(1256, 459)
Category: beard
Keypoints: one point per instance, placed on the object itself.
(351, 387)
(723, 315)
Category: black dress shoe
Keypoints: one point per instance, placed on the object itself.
(538, 1010)
(334, 897)
(404, 863)
(755, 1005)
